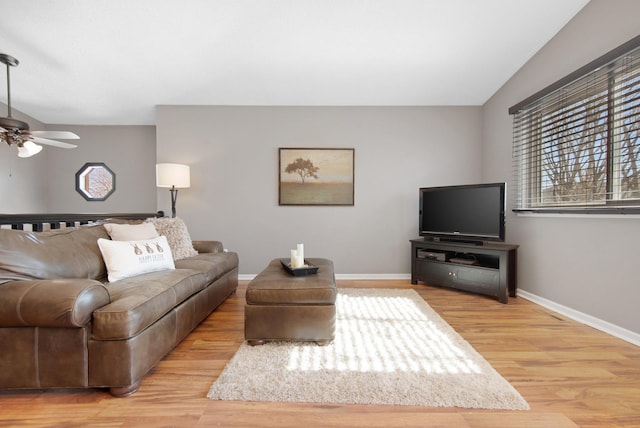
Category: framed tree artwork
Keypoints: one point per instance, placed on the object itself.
(316, 176)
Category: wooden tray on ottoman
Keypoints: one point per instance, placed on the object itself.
(307, 269)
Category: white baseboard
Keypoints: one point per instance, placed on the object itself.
(373, 276)
(607, 327)
(351, 276)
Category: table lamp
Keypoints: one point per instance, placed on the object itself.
(174, 176)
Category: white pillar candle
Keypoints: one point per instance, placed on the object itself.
(294, 258)
(301, 252)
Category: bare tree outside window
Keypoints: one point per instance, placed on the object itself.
(628, 139)
(577, 146)
(574, 165)
(578, 154)
(95, 181)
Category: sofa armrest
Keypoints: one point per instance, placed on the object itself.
(208, 246)
(51, 302)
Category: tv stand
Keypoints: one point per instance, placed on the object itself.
(488, 269)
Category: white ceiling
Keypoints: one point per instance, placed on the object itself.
(113, 61)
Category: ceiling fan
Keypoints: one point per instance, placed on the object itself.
(16, 132)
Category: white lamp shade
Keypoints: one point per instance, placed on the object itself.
(173, 175)
(28, 149)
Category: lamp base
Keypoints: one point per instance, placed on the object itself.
(174, 197)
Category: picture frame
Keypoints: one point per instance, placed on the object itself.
(316, 176)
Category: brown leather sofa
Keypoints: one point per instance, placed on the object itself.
(62, 325)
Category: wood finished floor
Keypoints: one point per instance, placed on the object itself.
(570, 374)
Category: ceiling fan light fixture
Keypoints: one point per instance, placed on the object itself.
(28, 149)
(16, 132)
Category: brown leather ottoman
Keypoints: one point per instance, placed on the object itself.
(281, 306)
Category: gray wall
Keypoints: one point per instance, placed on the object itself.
(585, 263)
(233, 154)
(23, 182)
(45, 183)
(129, 151)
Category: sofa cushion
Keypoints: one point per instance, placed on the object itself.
(131, 232)
(177, 234)
(212, 265)
(139, 301)
(129, 258)
(63, 253)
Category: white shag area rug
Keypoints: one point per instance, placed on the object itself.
(390, 347)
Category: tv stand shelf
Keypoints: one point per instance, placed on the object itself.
(488, 269)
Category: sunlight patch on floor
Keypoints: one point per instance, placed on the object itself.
(383, 334)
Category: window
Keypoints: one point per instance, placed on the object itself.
(577, 143)
(95, 181)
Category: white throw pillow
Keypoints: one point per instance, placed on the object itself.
(177, 235)
(129, 258)
(131, 232)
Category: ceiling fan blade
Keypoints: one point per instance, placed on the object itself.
(54, 143)
(62, 135)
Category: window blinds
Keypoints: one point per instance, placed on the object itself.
(576, 144)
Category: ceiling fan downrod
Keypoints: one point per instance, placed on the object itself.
(9, 61)
(8, 121)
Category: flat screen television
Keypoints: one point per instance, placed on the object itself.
(469, 213)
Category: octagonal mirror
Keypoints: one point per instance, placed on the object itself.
(95, 181)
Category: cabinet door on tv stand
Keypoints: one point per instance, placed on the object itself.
(478, 280)
(433, 273)
(468, 278)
